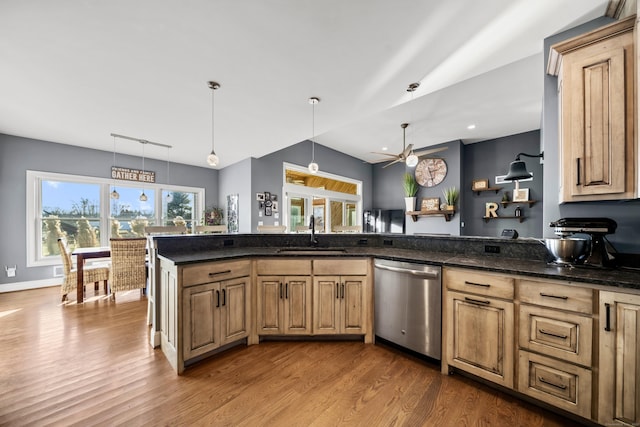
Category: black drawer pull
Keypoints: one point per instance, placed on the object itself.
(561, 387)
(607, 326)
(337, 291)
(342, 296)
(286, 290)
(218, 299)
(477, 301)
(551, 334)
(224, 297)
(280, 290)
(484, 285)
(578, 171)
(542, 294)
(219, 272)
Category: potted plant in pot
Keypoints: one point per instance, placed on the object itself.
(410, 189)
(451, 197)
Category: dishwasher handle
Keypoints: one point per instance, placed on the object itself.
(419, 273)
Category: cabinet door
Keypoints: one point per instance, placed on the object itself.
(598, 120)
(353, 310)
(201, 316)
(234, 309)
(270, 294)
(297, 305)
(326, 304)
(480, 336)
(619, 394)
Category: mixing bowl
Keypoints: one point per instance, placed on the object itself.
(568, 250)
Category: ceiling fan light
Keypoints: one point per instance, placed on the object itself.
(212, 159)
(313, 167)
(412, 160)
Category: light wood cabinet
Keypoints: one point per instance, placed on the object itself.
(284, 304)
(339, 304)
(479, 324)
(619, 370)
(596, 83)
(204, 306)
(555, 341)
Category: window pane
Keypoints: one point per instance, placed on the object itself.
(336, 214)
(129, 215)
(318, 214)
(296, 213)
(352, 219)
(72, 211)
(178, 204)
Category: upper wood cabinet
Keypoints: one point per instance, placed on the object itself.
(597, 115)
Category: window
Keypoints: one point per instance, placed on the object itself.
(333, 200)
(79, 209)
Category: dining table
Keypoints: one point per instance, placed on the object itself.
(83, 254)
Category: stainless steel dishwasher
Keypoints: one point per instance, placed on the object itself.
(408, 305)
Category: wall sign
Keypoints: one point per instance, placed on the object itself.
(126, 174)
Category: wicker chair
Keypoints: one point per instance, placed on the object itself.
(128, 264)
(90, 274)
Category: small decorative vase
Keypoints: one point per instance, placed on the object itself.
(410, 203)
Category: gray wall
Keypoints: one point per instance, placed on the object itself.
(626, 213)
(267, 173)
(236, 179)
(488, 159)
(17, 155)
(389, 192)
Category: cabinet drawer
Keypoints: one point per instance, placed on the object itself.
(277, 267)
(559, 383)
(214, 272)
(557, 296)
(340, 266)
(567, 336)
(479, 283)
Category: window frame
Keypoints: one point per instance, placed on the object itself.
(34, 207)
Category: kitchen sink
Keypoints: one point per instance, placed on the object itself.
(312, 251)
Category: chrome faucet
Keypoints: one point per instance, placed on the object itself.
(312, 226)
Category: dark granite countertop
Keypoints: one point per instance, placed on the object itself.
(620, 278)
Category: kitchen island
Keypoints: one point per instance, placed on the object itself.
(281, 286)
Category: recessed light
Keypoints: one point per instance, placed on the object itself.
(471, 127)
(385, 148)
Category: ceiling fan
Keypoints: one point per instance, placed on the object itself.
(407, 155)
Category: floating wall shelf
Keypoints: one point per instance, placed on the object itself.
(488, 218)
(529, 202)
(496, 189)
(447, 214)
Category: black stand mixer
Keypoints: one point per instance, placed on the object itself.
(597, 228)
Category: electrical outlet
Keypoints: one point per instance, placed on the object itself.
(491, 249)
(11, 271)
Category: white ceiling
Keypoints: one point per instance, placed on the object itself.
(75, 71)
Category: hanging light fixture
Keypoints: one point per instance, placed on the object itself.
(212, 158)
(143, 197)
(169, 194)
(412, 159)
(114, 194)
(313, 166)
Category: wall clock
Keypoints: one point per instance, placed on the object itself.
(431, 172)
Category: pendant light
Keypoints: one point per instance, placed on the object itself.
(412, 159)
(313, 166)
(143, 197)
(212, 158)
(114, 194)
(169, 194)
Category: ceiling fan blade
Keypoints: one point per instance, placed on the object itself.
(406, 151)
(433, 150)
(383, 154)
(378, 160)
(390, 163)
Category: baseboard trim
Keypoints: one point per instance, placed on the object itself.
(31, 284)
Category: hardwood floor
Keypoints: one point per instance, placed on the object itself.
(65, 364)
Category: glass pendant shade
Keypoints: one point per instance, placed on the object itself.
(313, 167)
(143, 197)
(412, 160)
(115, 195)
(212, 159)
(517, 171)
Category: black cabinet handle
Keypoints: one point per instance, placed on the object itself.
(280, 290)
(561, 387)
(551, 334)
(224, 297)
(337, 290)
(218, 299)
(477, 301)
(342, 296)
(484, 285)
(219, 272)
(578, 171)
(607, 313)
(553, 296)
(286, 290)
